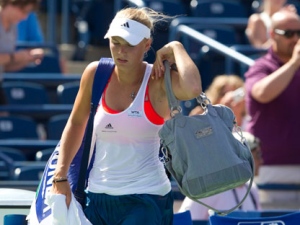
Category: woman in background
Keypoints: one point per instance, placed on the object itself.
(226, 90)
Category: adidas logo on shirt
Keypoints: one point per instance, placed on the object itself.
(109, 126)
(125, 25)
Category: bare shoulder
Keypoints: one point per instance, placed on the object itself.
(81, 107)
(90, 70)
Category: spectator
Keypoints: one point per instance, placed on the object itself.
(228, 199)
(272, 93)
(29, 30)
(259, 24)
(227, 90)
(11, 13)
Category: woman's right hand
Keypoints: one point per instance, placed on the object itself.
(62, 188)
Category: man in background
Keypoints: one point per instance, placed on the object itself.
(272, 95)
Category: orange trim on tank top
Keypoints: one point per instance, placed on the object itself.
(149, 111)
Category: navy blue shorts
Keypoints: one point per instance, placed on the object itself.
(137, 209)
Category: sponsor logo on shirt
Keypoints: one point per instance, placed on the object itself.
(134, 113)
(109, 128)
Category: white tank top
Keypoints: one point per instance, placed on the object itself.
(127, 148)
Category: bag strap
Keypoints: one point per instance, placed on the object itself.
(172, 100)
(203, 101)
(102, 75)
(226, 212)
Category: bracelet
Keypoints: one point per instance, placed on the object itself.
(11, 57)
(59, 179)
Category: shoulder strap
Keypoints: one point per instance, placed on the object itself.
(173, 102)
(102, 75)
(101, 78)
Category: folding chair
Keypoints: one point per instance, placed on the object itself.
(13, 153)
(286, 219)
(6, 166)
(25, 93)
(188, 105)
(44, 155)
(218, 8)
(67, 92)
(15, 127)
(207, 60)
(15, 219)
(56, 126)
(50, 62)
(182, 218)
(30, 172)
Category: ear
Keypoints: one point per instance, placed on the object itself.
(148, 44)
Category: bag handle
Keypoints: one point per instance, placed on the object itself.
(172, 100)
(225, 212)
(101, 78)
(203, 101)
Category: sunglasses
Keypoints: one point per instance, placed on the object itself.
(287, 33)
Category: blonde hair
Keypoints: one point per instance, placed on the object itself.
(144, 15)
(217, 88)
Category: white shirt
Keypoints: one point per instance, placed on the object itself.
(127, 149)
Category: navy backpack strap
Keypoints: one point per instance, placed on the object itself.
(102, 75)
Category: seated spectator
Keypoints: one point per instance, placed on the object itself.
(272, 91)
(259, 24)
(227, 90)
(11, 13)
(30, 31)
(228, 199)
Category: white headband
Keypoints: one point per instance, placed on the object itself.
(130, 30)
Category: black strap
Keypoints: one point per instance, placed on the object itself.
(251, 196)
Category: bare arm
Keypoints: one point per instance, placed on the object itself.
(256, 32)
(19, 59)
(274, 84)
(186, 82)
(73, 133)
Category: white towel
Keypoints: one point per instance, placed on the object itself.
(60, 214)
